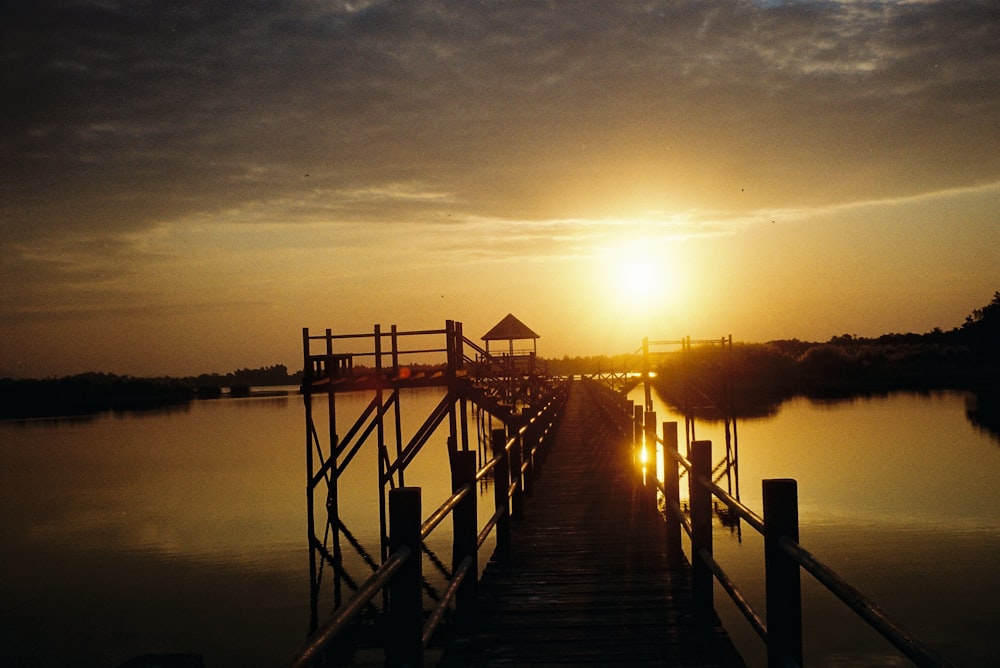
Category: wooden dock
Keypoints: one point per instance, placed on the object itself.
(589, 582)
(584, 577)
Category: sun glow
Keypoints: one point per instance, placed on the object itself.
(640, 277)
(636, 287)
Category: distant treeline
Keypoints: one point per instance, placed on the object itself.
(263, 376)
(752, 378)
(88, 393)
(755, 378)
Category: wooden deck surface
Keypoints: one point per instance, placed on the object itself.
(588, 583)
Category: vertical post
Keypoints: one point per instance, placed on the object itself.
(501, 483)
(538, 435)
(465, 533)
(528, 441)
(637, 427)
(647, 391)
(310, 520)
(782, 586)
(383, 450)
(451, 346)
(516, 478)
(332, 493)
(701, 530)
(647, 459)
(397, 410)
(460, 365)
(405, 646)
(672, 494)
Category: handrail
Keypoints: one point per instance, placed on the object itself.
(863, 606)
(438, 515)
(439, 610)
(856, 601)
(527, 439)
(344, 615)
(684, 520)
(752, 518)
(487, 467)
(489, 526)
(514, 486)
(742, 604)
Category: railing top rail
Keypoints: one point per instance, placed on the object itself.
(867, 609)
(475, 346)
(343, 616)
(402, 351)
(678, 457)
(678, 342)
(382, 333)
(449, 505)
(744, 511)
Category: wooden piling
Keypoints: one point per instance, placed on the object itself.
(529, 441)
(637, 426)
(405, 646)
(516, 479)
(501, 484)
(672, 495)
(701, 530)
(647, 459)
(465, 534)
(781, 572)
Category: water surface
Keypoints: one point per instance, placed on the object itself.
(899, 495)
(185, 530)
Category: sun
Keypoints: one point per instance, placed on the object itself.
(639, 277)
(634, 286)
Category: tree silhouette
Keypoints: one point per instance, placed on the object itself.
(982, 328)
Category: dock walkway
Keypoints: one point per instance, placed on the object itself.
(588, 583)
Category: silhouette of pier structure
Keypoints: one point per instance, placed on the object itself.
(588, 563)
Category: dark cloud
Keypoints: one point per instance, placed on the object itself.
(119, 115)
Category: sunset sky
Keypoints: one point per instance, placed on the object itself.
(185, 185)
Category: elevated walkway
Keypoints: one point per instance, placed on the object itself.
(588, 582)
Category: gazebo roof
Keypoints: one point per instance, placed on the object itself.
(509, 329)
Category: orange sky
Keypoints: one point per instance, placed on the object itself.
(185, 186)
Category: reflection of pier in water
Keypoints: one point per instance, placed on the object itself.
(598, 552)
(702, 390)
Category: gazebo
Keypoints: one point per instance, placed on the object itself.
(510, 329)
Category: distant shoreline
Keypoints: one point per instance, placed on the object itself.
(748, 378)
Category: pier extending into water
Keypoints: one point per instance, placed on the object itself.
(586, 579)
(589, 565)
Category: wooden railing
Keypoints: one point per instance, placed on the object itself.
(784, 557)
(515, 463)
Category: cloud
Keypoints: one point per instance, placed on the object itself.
(123, 116)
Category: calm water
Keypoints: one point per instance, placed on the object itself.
(901, 496)
(184, 530)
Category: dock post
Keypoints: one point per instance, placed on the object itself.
(465, 534)
(529, 441)
(636, 429)
(405, 647)
(672, 495)
(701, 530)
(501, 485)
(647, 459)
(516, 478)
(783, 586)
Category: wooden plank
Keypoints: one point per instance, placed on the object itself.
(589, 582)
